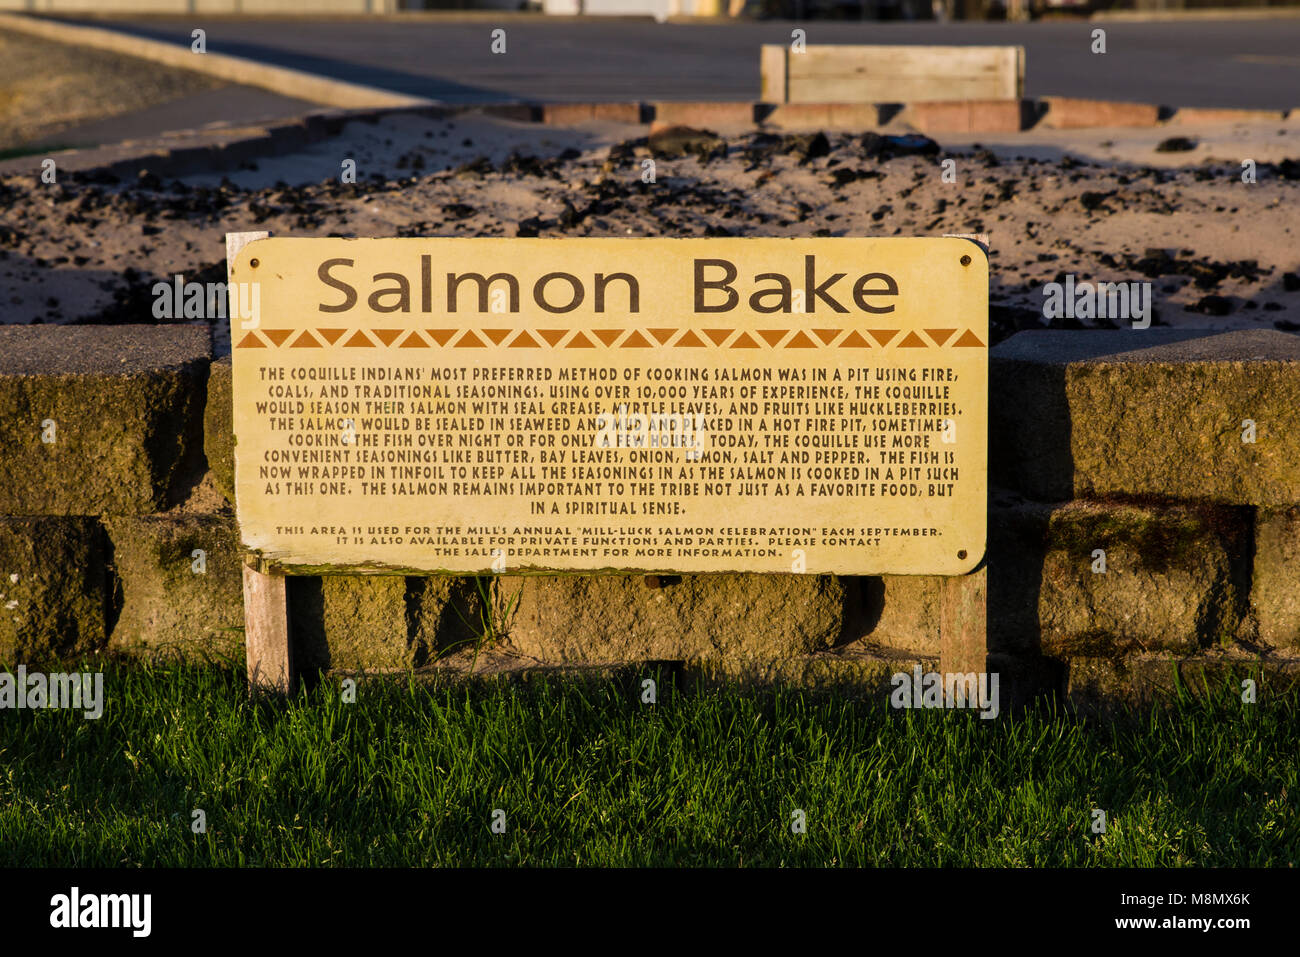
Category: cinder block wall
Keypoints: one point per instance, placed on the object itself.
(1135, 533)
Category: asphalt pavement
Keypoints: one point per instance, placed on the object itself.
(1251, 63)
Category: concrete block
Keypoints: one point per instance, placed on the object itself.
(1275, 583)
(909, 613)
(53, 589)
(618, 618)
(1176, 578)
(219, 427)
(860, 674)
(381, 622)
(125, 405)
(1102, 686)
(175, 602)
(1155, 412)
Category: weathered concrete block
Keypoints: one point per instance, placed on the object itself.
(862, 674)
(448, 613)
(175, 601)
(618, 618)
(364, 619)
(909, 613)
(1155, 412)
(1175, 578)
(219, 427)
(121, 405)
(1275, 583)
(1099, 686)
(380, 622)
(53, 589)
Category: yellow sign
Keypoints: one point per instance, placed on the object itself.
(655, 405)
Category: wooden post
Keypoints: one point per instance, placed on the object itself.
(266, 603)
(964, 623)
(266, 630)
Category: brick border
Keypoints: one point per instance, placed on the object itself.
(211, 150)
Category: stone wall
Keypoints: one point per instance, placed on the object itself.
(117, 534)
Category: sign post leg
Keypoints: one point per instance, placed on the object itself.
(266, 608)
(963, 623)
(266, 631)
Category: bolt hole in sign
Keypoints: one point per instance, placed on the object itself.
(613, 405)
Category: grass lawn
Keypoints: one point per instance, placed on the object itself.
(586, 774)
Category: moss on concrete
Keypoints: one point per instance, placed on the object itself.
(1275, 580)
(219, 427)
(99, 420)
(176, 602)
(53, 589)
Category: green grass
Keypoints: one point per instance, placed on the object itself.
(587, 775)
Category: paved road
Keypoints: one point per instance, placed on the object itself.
(1242, 63)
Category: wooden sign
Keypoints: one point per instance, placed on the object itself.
(589, 405)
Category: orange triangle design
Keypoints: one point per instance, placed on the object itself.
(580, 341)
(497, 336)
(330, 335)
(882, 335)
(553, 336)
(359, 341)
(968, 340)
(277, 336)
(306, 341)
(854, 341)
(251, 341)
(690, 339)
(662, 335)
(441, 336)
(826, 335)
(636, 341)
(415, 341)
(940, 336)
(773, 336)
(913, 341)
(519, 342)
(387, 336)
(470, 341)
(608, 336)
(801, 341)
(719, 336)
(743, 341)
